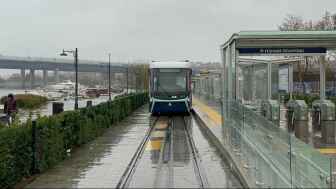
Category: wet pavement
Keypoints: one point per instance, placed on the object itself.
(100, 163)
(217, 170)
(177, 154)
(170, 162)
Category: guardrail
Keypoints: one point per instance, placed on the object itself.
(265, 154)
(272, 156)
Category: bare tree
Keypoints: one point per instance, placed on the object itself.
(326, 22)
(292, 23)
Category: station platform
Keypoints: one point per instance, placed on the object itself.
(211, 112)
(208, 112)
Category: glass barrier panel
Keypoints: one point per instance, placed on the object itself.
(309, 167)
(333, 172)
(272, 142)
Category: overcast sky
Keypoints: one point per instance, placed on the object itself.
(140, 29)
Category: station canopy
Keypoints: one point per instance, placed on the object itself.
(283, 46)
(250, 43)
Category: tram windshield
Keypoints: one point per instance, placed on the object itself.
(170, 80)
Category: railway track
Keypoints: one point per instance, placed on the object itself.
(125, 178)
(199, 170)
(176, 150)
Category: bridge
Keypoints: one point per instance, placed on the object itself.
(54, 64)
(242, 131)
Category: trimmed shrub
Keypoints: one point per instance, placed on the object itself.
(15, 155)
(55, 135)
(309, 99)
(332, 99)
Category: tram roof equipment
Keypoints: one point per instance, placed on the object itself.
(170, 64)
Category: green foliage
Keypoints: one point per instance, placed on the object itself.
(55, 135)
(27, 101)
(15, 155)
(332, 99)
(309, 99)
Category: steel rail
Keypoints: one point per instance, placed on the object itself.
(196, 159)
(125, 178)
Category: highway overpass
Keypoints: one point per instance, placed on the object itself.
(55, 64)
(51, 64)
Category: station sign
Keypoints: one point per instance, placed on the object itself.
(282, 51)
(283, 78)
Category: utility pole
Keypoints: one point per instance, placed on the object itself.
(109, 76)
(127, 78)
(76, 82)
(136, 80)
(75, 54)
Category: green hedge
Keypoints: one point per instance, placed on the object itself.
(333, 99)
(22, 155)
(309, 99)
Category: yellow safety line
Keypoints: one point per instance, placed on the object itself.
(327, 150)
(158, 134)
(154, 145)
(212, 114)
(161, 126)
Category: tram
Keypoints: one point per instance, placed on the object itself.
(170, 88)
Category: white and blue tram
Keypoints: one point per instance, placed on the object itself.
(170, 88)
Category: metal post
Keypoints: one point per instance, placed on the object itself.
(34, 147)
(56, 75)
(136, 82)
(109, 76)
(76, 82)
(32, 78)
(331, 173)
(229, 81)
(290, 80)
(269, 80)
(322, 78)
(237, 74)
(23, 78)
(144, 78)
(127, 79)
(222, 83)
(45, 77)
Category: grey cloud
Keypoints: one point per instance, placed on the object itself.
(139, 29)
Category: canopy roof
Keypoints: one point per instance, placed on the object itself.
(280, 39)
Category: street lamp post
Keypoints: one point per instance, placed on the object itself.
(75, 54)
(109, 76)
(127, 79)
